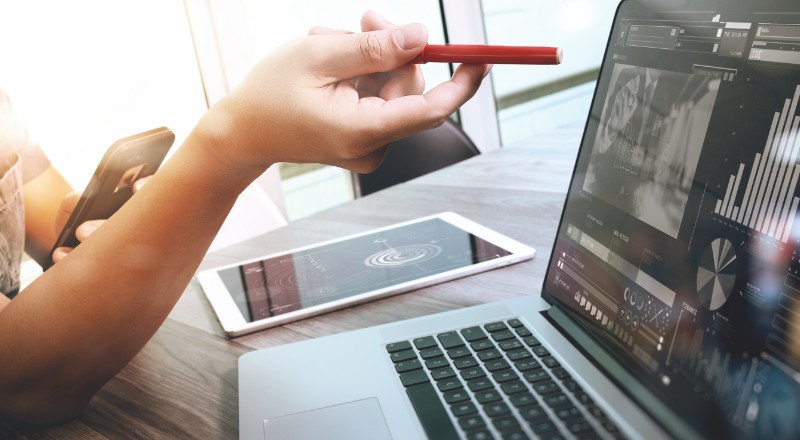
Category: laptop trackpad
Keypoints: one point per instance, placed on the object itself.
(361, 419)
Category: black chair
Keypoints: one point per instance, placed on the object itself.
(417, 155)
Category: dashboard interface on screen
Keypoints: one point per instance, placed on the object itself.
(678, 248)
(298, 280)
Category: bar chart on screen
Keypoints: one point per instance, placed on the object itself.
(768, 202)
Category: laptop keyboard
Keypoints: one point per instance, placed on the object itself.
(495, 381)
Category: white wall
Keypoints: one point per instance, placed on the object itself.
(83, 73)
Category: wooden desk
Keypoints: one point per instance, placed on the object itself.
(183, 384)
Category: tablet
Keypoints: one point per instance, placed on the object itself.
(287, 286)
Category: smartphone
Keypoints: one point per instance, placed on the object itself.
(111, 185)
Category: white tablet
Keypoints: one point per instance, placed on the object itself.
(287, 286)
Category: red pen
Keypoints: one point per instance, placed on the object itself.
(484, 54)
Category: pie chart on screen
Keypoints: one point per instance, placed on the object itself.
(716, 274)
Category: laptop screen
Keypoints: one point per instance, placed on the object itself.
(678, 247)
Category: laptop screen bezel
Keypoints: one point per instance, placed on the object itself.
(571, 325)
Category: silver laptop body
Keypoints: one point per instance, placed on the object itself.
(671, 302)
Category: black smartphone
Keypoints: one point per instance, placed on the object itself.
(111, 185)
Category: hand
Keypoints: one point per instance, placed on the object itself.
(86, 228)
(334, 98)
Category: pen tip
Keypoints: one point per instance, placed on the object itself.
(559, 55)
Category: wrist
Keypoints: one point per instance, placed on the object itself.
(218, 140)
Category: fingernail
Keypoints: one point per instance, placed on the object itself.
(409, 36)
(58, 254)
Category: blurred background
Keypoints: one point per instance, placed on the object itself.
(84, 73)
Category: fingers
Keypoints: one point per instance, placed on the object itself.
(322, 30)
(60, 253)
(140, 183)
(343, 56)
(87, 228)
(404, 115)
(68, 204)
(372, 21)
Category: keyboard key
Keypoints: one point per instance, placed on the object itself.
(482, 345)
(495, 327)
(541, 351)
(546, 387)
(559, 400)
(584, 398)
(463, 409)
(523, 332)
(536, 376)
(425, 342)
(450, 340)
(514, 387)
(515, 323)
(398, 346)
(503, 335)
(480, 384)
(551, 362)
(569, 413)
(579, 427)
(469, 423)
(511, 344)
(472, 373)
(443, 373)
(518, 355)
(506, 424)
(480, 435)
(431, 353)
(473, 334)
(505, 376)
(561, 373)
(496, 409)
(572, 386)
(496, 365)
(414, 378)
(534, 414)
(431, 413)
(458, 353)
(456, 396)
(488, 355)
(449, 384)
(523, 399)
(541, 428)
(487, 396)
(595, 411)
(515, 435)
(527, 365)
(439, 362)
(467, 362)
(405, 355)
(531, 341)
(411, 365)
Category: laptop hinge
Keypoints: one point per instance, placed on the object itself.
(617, 373)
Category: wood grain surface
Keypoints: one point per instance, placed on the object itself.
(183, 384)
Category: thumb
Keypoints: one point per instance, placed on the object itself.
(350, 55)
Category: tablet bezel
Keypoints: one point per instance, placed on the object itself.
(234, 323)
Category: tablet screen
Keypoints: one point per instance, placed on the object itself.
(294, 281)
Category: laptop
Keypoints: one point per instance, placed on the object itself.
(671, 303)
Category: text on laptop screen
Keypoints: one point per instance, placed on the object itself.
(679, 246)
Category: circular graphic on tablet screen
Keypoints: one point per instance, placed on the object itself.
(716, 274)
(402, 255)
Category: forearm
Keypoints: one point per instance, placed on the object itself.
(78, 324)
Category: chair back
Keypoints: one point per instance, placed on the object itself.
(417, 155)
